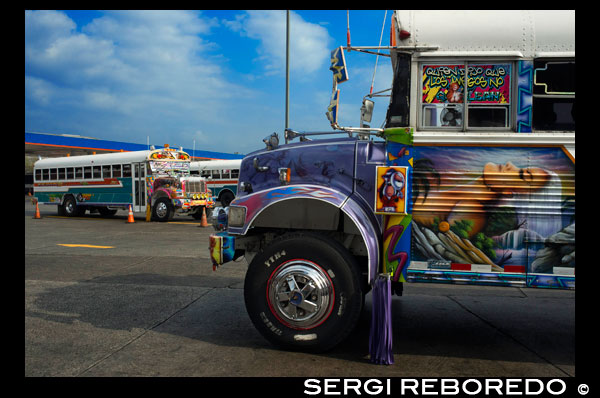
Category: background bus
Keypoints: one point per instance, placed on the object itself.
(155, 182)
(222, 177)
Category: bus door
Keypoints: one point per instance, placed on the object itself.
(139, 187)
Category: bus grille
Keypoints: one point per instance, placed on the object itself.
(195, 185)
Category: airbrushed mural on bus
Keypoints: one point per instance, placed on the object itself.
(471, 180)
(505, 209)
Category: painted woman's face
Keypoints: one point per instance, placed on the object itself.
(508, 178)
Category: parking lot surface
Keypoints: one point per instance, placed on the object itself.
(104, 297)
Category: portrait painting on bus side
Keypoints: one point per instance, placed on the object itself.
(506, 201)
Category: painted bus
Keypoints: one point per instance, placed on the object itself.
(156, 182)
(470, 179)
(221, 177)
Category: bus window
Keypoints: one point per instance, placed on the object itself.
(87, 172)
(553, 105)
(78, 173)
(38, 175)
(116, 170)
(52, 174)
(106, 171)
(215, 175)
(225, 174)
(488, 116)
(96, 171)
(205, 173)
(61, 173)
(46, 174)
(486, 99)
(126, 170)
(235, 173)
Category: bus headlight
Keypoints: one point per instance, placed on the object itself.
(237, 216)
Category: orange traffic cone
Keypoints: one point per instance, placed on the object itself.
(204, 222)
(130, 217)
(37, 211)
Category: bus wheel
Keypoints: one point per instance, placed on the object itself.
(69, 207)
(162, 210)
(302, 299)
(226, 198)
(198, 214)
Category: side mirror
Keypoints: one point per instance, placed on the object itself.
(271, 141)
(366, 112)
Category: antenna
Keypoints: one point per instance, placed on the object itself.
(377, 57)
(287, 68)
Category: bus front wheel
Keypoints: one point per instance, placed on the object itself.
(303, 299)
(162, 210)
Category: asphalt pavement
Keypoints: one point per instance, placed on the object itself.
(104, 297)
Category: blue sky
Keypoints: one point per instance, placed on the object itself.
(213, 78)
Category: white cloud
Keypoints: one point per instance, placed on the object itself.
(127, 75)
(309, 43)
(38, 90)
(151, 69)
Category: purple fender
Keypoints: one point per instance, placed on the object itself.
(370, 230)
(354, 207)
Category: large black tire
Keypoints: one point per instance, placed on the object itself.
(226, 197)
(303, 292)
(198, 214)
(162, 210)
(69, 208)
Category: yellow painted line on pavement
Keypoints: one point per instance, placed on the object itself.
(81, 245)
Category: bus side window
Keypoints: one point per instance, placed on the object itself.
(235, 173)
(87, 172)
(78, 173)
(46, 174)
(38, 174)
(96, 170)
(126, 170)
(216, 175)
(225, 174)
(61, 173)
(106, 171)
(70, 173)
(53, 174)
(205, 173)
(116, 170)
(486, 95)
(553, 105)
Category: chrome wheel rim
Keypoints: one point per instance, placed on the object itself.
(300, 294)
(161, 209)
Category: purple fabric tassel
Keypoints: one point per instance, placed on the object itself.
(380, 338)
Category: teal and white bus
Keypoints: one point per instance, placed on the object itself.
(156, 182)
(221, 177)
